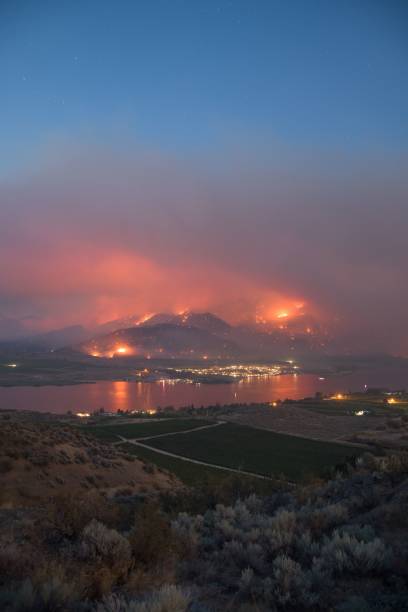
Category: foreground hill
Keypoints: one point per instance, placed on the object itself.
(339, 545)
(41, 460)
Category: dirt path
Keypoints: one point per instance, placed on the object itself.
(134, 421)
(177, 433)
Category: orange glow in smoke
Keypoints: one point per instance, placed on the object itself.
(279, 310)
(183, 312)
(121, 350)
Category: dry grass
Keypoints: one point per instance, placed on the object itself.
(39, 461)
(296, 420)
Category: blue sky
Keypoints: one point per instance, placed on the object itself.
(164, 154)
(183, 75)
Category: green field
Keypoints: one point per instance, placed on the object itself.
(194, 475)
(189, 473)
(230, 445)
(111, 432)
(255, 450)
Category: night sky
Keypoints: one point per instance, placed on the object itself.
(231, 156)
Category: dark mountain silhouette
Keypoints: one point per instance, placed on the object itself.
(162, 340)
(201, 320)
(197, 335)
(187, 334)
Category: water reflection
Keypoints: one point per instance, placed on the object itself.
(122, 395)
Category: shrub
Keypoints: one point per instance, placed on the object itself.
(290, 583)
(68, 519)
(281, 531)
(49, 596)
(151, 538)
(100, 544)
(344, 553)
(246, 580)
(322, 519)
(167, 599)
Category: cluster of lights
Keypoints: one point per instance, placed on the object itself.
(174, 381)
(148, 411)
(341, 396)
(235, 371)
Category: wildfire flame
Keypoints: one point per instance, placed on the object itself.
(279, 311)
(121, 350)
(145, 318)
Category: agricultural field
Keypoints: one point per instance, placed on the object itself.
(349, 407)
(339, 421)
(258, 451)
(111, 432)
(228, 445)
(196, 475)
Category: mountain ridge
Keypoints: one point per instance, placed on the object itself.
(192, 335)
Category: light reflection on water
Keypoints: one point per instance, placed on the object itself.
(121, 395)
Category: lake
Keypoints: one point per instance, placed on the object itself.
(121, 395)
